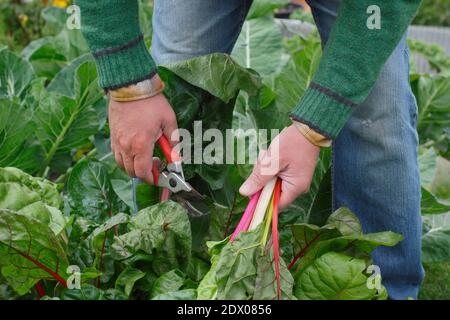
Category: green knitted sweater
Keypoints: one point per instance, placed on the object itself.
(351, 62)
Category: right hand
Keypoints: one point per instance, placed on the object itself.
(135, 126)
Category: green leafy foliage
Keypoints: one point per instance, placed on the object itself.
(53, 124)
(29, 252)
(162, 231)
(90, 192)
(335, 276)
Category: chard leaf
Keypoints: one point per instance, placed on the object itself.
(32, 197)
(15, 74)
(334, 276)
(355, 245)
(46, 214)
(80, 248)
(169, 282)
(127, 278)
(345, 222)
(220, 75)
(184, 97)
(185, 294)
(101, 243)
(162, 231)
(90, 192)
(207, 288)
(265, 283)
(236, 266)
(19, 189)
(89, 292)
(436, 246)
(29, 252)
(197, 269)
(308, 236)
(259, 46)
(98, 235)
(341, 233)
(17, 140)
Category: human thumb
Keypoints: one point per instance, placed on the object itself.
(256, 181)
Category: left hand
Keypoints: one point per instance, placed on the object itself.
(292, 158)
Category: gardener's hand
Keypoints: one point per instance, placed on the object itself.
(292, 158)
(135, 127)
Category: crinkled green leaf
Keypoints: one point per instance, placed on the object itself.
(218, 74)
(236, 266)
(162, 231)
(185, 98)
(342, 233)
(185, 294)
(29, 251)
(19, 189)
(169, 282)
(98, 234)
(265, 283)
(89, 292)
(334, 276)
(127, 278)
(197, 269)
(207, 288)
(90, 192)
(345, 222)
(33, 197)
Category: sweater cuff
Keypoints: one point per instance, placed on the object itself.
(322, 111)
(125, 65)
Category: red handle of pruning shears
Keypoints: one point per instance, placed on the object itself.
(169, 154)
(168, 151)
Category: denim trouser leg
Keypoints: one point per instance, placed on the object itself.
(375, 156)
(375, 167)
(186, 29)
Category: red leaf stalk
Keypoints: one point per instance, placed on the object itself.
(276, 245)
(46, 269)
(40, 290)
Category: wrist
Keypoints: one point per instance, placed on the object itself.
(311, 135)
(138, 91)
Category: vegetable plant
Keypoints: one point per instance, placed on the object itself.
(67, 225)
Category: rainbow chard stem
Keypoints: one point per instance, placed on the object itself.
(247, 216)
(276, 248)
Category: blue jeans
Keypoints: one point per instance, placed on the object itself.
(375, 169)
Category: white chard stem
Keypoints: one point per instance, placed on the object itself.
(263, 202)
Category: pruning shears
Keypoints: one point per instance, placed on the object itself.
(171, 178)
